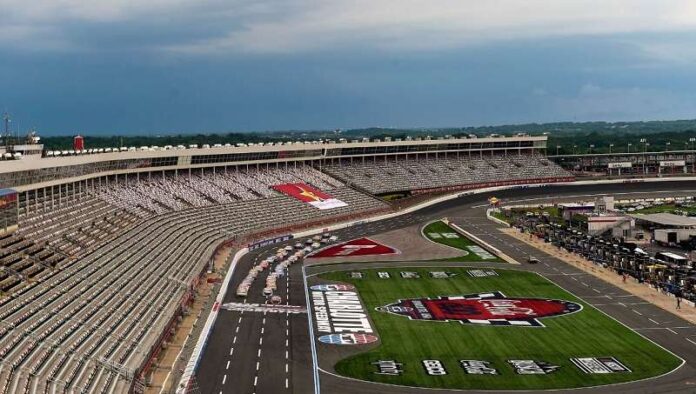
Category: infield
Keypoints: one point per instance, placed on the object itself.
(441, 233)
(497, 329)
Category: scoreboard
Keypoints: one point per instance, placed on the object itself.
(8, 210)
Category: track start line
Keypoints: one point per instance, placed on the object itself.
(263, 308)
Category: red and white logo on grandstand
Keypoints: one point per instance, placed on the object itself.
(356, 247)
(310, 195)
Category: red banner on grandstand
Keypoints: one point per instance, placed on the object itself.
(310, 195)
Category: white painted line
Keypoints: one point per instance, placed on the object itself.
(636, 312)
(312, 344)
(228, 365)
(653, 321)
(224, 378)
(258, 354)
(690, 341)
(257, 365)
(286, 383)
(231, 351)
(256, 380)
(672, 331)
(234, 340)
(596, 291)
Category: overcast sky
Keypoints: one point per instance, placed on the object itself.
(132, 66)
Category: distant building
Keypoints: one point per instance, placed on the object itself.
(668, 228)
(568, 210)
(621, 226)
(604, 204)
(78, 143)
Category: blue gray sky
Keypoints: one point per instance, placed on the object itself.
(162, 66)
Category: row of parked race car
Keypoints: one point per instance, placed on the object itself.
(283, 258)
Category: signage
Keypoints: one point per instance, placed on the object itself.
(621, 164)
(599, 365)
(532, 367)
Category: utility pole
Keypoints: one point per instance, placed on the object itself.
(6, 133)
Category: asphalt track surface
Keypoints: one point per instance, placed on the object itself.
(265, 353)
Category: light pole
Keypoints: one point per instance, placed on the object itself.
(667, 145)
(610, 146)
(574, 148)
(591, 148)
(693, 167)
(558, 147)
(629, 147)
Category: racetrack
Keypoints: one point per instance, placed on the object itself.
(248, 351)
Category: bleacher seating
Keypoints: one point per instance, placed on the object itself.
(85, 327)
(160, 194)
(76, 226)
(410, 174)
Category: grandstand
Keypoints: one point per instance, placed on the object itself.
(110, 247)
(394, 175)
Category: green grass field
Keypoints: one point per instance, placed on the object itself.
(587, 333)
(456, 240)
(669, 208)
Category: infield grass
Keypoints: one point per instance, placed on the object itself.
(587, 333)
(459, 242)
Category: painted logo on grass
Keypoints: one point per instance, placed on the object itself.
(492, 308)
(356, 247)
(348, 339)
(336, 287)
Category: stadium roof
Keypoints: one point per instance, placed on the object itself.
(667, 219)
